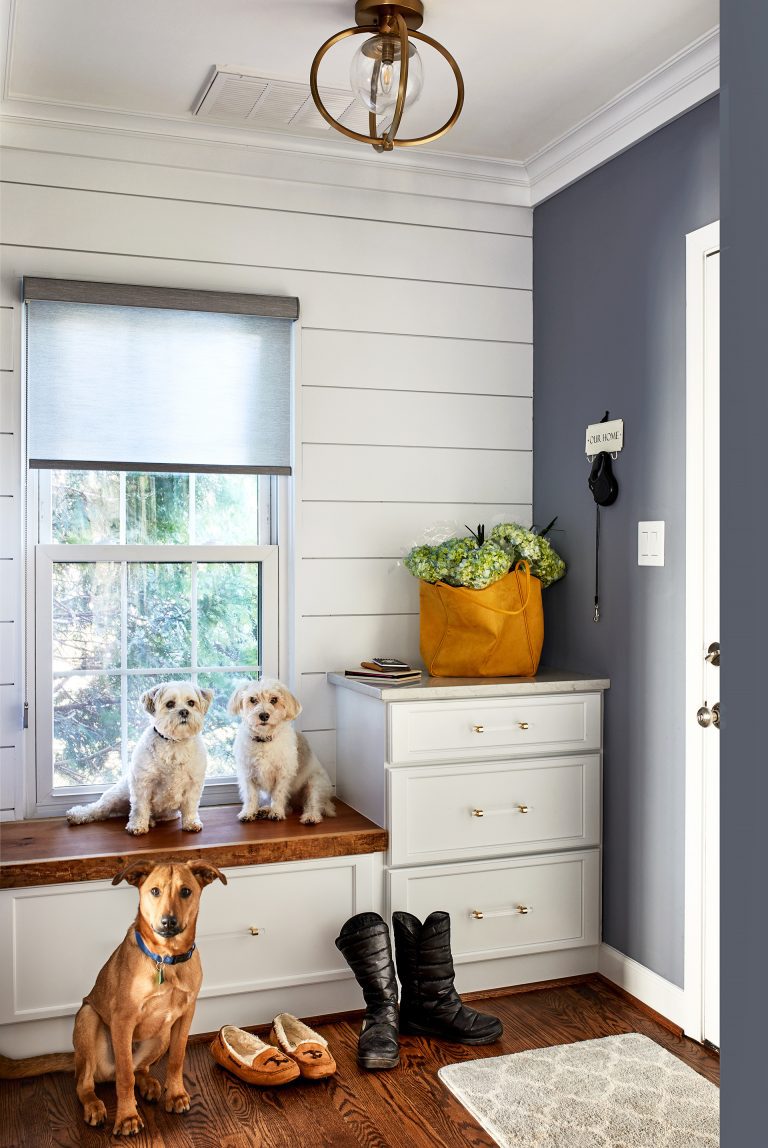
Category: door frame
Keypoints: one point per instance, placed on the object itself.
(699, 245)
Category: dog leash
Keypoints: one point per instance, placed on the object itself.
(160, 961)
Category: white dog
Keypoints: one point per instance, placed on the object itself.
(274, 762)
(167, 768)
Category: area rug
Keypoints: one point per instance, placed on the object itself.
(616, 1092)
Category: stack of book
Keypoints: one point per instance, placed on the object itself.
(384, 672)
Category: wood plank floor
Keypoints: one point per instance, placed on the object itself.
(406, 1107)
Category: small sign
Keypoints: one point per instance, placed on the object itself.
(605, 436)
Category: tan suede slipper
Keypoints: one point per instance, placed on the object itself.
(308, 1048)
(251, 1059)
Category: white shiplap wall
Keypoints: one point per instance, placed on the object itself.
(414, 371)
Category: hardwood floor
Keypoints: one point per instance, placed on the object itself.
(406, 1107)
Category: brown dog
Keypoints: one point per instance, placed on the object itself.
(141, 1006)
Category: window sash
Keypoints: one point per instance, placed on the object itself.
(216, 791)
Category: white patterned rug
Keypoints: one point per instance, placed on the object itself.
(616, 1092)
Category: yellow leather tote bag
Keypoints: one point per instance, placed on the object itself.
(493, 633)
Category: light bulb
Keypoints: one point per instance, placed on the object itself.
(375, 74)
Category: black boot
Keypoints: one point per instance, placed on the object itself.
(364, 944)
(429, 1003)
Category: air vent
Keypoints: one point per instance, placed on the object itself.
(236, 96)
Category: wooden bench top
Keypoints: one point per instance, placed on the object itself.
(49, 852)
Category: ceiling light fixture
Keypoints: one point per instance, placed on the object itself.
(386, 73)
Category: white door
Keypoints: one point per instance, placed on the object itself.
(702, 717)
(711, 667)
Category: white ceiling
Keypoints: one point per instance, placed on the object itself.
(532, 71)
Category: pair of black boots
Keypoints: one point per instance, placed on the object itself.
(429, 1003)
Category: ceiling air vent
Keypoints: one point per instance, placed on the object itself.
(237, 96)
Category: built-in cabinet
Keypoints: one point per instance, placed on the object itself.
(491, 794)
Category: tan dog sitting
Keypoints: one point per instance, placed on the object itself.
(142, 1003)
(275, 764)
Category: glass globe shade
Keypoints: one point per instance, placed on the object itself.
(375, 74)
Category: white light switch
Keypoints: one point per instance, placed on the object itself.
(650, 543)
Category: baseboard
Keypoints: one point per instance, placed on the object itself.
(649, 988)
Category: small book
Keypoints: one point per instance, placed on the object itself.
(395, 672)
(383, 679)
(388, 665)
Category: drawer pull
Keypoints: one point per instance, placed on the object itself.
(523, 724)
(519, 910)
(521, 807)
(254, 931)
(524, 809)
(478, 813)
(478, 729)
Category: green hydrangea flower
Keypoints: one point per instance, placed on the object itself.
(461, 562)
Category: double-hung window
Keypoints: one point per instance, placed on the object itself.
(158, 426)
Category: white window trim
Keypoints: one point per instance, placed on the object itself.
(216, 792)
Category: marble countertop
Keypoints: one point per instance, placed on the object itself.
(431, 689)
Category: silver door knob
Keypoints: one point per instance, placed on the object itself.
(716, 715)
(713, 654)
(706, 716)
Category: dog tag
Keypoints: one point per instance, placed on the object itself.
(160, 975)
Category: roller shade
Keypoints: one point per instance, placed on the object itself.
(121, 377)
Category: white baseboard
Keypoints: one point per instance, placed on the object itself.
(653, 990)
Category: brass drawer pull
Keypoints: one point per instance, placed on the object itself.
(478, 729)
(520, 807)
(523, 724)
(524, 809)
(254, 931)
(478, 813)
(478, 914)
(523, 909)
(518, 911)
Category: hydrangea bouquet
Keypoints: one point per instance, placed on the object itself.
(478, 562)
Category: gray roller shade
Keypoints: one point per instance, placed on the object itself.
(140, 378)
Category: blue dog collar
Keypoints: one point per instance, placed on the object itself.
(160, 961)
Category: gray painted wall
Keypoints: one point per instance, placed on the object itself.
(609, 334)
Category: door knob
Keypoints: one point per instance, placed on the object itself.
(706, 716)
(713, 654)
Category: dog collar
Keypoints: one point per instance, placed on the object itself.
(162, 735)
(160, 961)
(254, 738)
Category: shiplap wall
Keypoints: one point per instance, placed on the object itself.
(414, 374)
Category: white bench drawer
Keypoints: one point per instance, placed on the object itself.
(476, 728)
(560, 894)
(457, 812)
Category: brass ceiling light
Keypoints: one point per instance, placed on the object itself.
(386, 74)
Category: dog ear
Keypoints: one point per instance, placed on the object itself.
(135, 873)
(205, 872)
(148, 699)
(233, 705)
(206, 697)
(293, 706)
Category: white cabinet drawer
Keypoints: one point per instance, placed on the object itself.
(478, 729)
(456, 812)
(560, 893)
(54, 939)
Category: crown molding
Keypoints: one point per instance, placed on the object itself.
(220, 148)
(687, 79)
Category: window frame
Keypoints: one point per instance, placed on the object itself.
(41, 554)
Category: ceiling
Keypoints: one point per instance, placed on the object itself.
(532, 71)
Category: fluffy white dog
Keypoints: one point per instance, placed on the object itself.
(167, 768)
(274, 762)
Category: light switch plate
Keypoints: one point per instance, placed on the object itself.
(650, 543)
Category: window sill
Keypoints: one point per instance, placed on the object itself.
(51, 852)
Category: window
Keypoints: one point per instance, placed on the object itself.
(143, 575)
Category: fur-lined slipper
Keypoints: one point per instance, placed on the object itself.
(248, 1057)
(308, 1048)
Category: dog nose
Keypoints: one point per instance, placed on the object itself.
(183, 713)
(168, 921)
(264, 716)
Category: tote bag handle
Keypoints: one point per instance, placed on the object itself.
(496, 609)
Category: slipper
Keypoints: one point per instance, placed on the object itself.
(308, 1048)
(248, 1057)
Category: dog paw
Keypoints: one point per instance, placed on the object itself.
(136, 830)
(310, 819)
(128, 1125)
(149, 1088)
(178, 1102)
(94, 1112)
(191, 826)
(247, 816)
(264, 811)
(276, 815)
